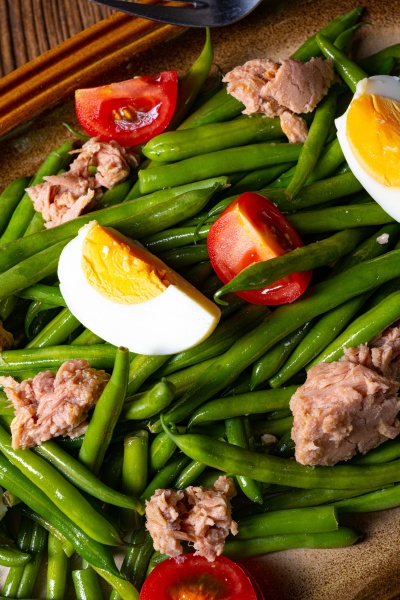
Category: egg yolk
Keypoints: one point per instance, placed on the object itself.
(121, 270)
(373, 130)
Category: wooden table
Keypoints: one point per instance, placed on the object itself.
(30, 27)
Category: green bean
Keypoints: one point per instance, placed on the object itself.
(236, 434)
(338, 218)
(94, 552)
(36, 225)
(134, 471)
(146, 404)
(185, 143)
(371, 64)
(258, 179)
(141, 368)
(284, 320)
(193, 81)
(262, 274)
(12, 557)
(184, 378)
(156, 559)
(161, 450)
(328, 163)
(311, 151)
(241, 549)
(136, 559)
(188, 475)
(242, 404)
(106, 414)
(117, 194)
(301, 499)
(225, 162)
(363, 330)
(388, 497)
(271, 469)
(296, 520)
(220, 340)
(24, 212)
(274, 427)
(183, 257)
(274, 359)
(141, 209)
(56, 332)
(221, 107)
(198, 274)
(88, 338)
(31, 569)
(331, 31)
(67, 498)
(82, 477)
(170, 239)
(165, 476)
(124, 588)
(313, 194)
(86, 584)
(9, 199)
(344, 40)
(100, 356)
(57, 568)
(43, 293)
(349, 71)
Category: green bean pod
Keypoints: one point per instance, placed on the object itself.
(263, 273)
(13, 557)
(66, 497)
(188, 475)
(141, 368)
(86, 584)
(388, 497)
(161, 450)
(220, 107)
(57, 569)
(236, 434)
(296, 520)
(185, 143)
(82, 477)
(56, 332)
(364, 329)
(9, 200)
(337, 218)
(149, 403)
(372, 64)
(349, 71)
(38, 546)
(312, 149)
(106, 414)
(43, 293)
(214, 164)
(240, 549)
(184, 257)
(252, 403)
(166, 475)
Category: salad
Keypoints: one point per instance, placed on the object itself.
(171, 427)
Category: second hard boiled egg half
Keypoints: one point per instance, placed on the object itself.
(129, 297)
(369, 135)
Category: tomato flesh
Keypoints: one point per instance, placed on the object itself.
(190, 577)
(250, 230)
(130, 112)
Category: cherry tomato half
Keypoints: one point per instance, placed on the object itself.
(130, 112)
(190, 577)
(252, 229)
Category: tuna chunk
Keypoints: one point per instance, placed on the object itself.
(294, 127)
(278, 89)
(348, 406)
(51, 405)
(64, 197)
(198, 515)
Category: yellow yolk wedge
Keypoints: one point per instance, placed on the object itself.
(129, 297)
(373, 129)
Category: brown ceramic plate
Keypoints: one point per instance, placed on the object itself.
(371, 568)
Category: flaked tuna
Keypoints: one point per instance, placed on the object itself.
(51, 405)
(200, 516)
(290, 87)
(350, 405)
(98, 165)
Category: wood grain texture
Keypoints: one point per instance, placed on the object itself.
(30, 27)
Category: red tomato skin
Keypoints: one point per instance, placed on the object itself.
(222, 579)
(249, 230)
(149, 100)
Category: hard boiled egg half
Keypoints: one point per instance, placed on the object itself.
(129, 297)
(369, 135)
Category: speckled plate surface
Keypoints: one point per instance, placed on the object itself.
(371, 568)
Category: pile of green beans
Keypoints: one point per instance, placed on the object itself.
(223, 406)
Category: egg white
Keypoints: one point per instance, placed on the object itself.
(177, 319)
(387, 197)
